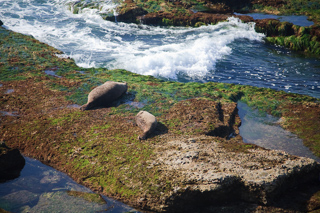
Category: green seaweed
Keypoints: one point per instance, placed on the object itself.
(100, 147)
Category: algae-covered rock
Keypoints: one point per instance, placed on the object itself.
(3, 211)
(15, 201)
(314, 202)
(62, 202)
(129, 14)
(11, 163)
(202, 116)
(190, 165)
(191, 19)
(305, 39)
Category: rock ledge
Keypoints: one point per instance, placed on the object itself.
(208, 172)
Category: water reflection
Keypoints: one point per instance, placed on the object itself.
(264, 131)
(9, 91)
(41, 188)
(52, 73)
(297, 20)
(5, 113)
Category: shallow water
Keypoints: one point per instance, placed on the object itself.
(135, 104)
(230, 52)
(52, 73)
(5, 113)
(297, 20)
(41, 188)
(264, 130)
(9, 91)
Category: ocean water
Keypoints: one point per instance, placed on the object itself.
(297, 20)
(230, 52)
(40, 188)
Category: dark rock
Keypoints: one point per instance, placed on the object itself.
(3, 211)
(165, 18)
(272, 3)
(1, 23)
(315, 32)
(129, 14)
(11, 163)
(273, 27)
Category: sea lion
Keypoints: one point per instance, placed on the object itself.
(147, 122)
(105, 94)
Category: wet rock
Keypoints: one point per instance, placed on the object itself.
(315, 33)
(128, 14)
(92, 197)
(1, 23)
(3, 211)
(166, 18)
(62, 202)
(105, 94)
(213, 171)
(11, 163)
(147, 122)
(314, 202)
(18, 199)
(273, 27)
(272, 3)
(305, 39)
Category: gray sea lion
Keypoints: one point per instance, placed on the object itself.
(147, 122)
(105, 94)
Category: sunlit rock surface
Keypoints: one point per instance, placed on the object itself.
(214, 172)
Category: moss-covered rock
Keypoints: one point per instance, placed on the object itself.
(191, 19)
(202, 116)
(304, 39)
(99, 148)
(129, 14)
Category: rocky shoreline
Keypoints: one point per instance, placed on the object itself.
(193, 162)
(198, 13)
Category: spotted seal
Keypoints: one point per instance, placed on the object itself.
(147, 122)
(105, 94)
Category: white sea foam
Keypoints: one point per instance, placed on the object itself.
(228, 52)
(92, 41)
(193, 55)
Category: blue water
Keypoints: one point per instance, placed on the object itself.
(41, 188)
(264, 130)
(297, 20)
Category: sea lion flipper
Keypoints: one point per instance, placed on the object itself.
(84, 107)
